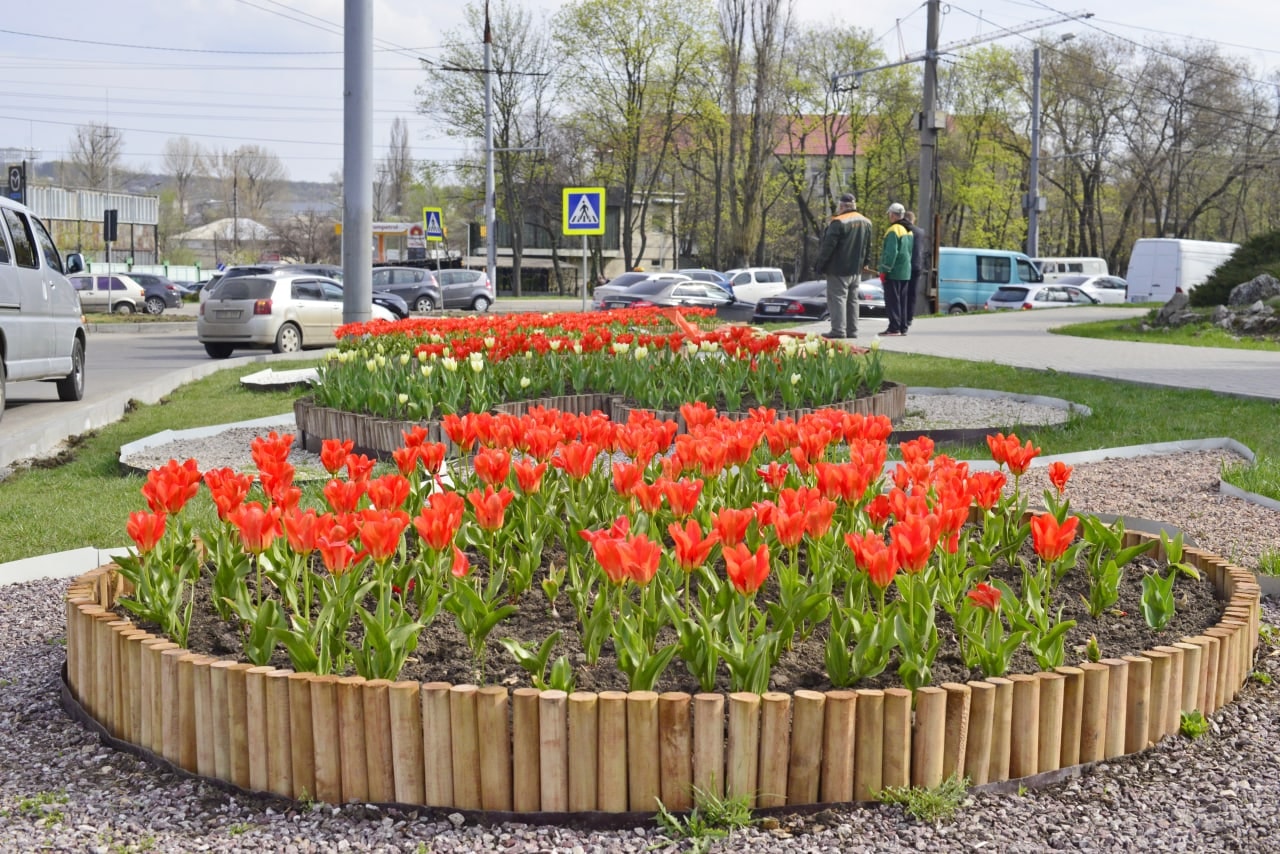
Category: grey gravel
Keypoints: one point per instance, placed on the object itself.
(61, 790)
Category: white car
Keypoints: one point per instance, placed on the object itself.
(1024, 297)
(752, 284)
(1105, 289)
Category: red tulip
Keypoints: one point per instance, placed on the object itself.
(987, 486)
(460, 566)
(359, 467)
(145, 529)
(406, 459)
(985, 596)
(380, 532)
(438, 522)
(492, 466)
(576, 459)
(490, 507)
(301, 528)
(913, 541)
(388, 492)
(227, 488)
(682, 495)
(1019, 459)
(691, 548)
(1059, 474)
(1050, 539)
(774, 474)
(170, 486)
(432, 456)
(344, 495)
(626, 476)
(746, 571)
(334, 453)
(529, 475)
(272, 448)
(730, 524)
(336, 553)
(640, 557)
(258, 526)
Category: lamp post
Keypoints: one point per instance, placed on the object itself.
(1033, 202)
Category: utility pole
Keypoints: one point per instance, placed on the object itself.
(357, 161)
(1033, 180)
(926, 218)
(490, 191)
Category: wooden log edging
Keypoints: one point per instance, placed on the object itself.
(380, 436)
(461, 747)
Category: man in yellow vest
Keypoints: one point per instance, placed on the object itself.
(895, 269)
(845, 248)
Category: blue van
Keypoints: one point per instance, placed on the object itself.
(968, 277)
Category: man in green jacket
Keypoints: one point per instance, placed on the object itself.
(845, 248)
(895, 269)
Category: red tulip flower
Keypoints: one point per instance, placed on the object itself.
(985, 596)
(388, 492)
(730, 524)
(1059, 474)
(359, 467)
(490, 507)
(626, 476)
(1050, 539)
(682, 496)
(1019, 458)
(576, 459)
(432, 456)
(301, 528)
(913, 541)
(492, 466)
(874, 556)
(746, 571)
(170, 486)
(406, 460)
(344, 495)
(272, 448)
(987, 487)
(258, 526)
(460, 567)
(774, 474)
(336, 553)
(380, 532)
(227, 488)
(529, 475)
(691, 547)
(438, 522)
(145, 529)
(334, 453)
(640, 557)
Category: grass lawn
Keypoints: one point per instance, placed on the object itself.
(1192, 335)
(82, 499)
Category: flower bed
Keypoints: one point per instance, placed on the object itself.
(742, 501)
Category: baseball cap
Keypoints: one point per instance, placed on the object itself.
(848, 199)
(896, 208)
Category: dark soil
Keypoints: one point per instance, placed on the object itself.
(442, 653)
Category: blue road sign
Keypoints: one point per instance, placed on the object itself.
(583, 210)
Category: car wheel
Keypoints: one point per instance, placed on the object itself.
(123, 308)
(71, 387)
(424, 304)
(155, 305)
(956, 309)
(288, 339)
(218, 351)
(481, 303)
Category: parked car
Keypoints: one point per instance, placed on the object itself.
(670, 291)
(117, 293)
(416, 286)
(808, 301)
(465, 289)
(704, 275)
(284, 312)
(42, 334)
(1105, 289)
(1055, 269)
(967, 278)
(752, 284)
(161, 292)
(1038, 296)
(618, 284)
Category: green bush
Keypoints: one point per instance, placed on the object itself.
(1257, 255)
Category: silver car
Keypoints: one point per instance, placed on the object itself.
(285, 312)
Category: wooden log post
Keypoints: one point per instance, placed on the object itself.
(775, 748)
(896, 762)
(1072, 705)
(1001, 729)
(1138, 704)
(805, 766)
(493, 720)
(206, 763)
(1208, 673)
(408, 765)
(186, 710)
(1173, 704)
(170, 723)
(377, 740)
(675, 732)
(351, 747)
(584, 757)
(1117, 706)
(611, 778)
(644, 762)
(326, 733)
(1049, 748)
(218, 690)
(742, 773)
(238, 722)
(1158, 698)
(929, 737)
(1024, 733)
(137, 699)
(553, 744)
(708, 744)
(977, 754)
(302, 745)
(151, 735)
(1190, 676)
(465, 737)
(867, 720)
(279, 747)
(526, 768)
(1093, 712)
(437, 745)
(959, 705)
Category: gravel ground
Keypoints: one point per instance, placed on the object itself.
(61, 790)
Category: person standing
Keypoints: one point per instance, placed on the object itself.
(895, 269)
(845, 248)
(917, 267)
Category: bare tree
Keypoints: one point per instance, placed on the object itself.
(250, 177)
(308, 236)
(95, 151)
(398, 166)
(184, 160)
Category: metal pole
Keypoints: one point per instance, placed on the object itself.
(490, 193)
(1033, 180)
(357, 161)
(584, 272)
(928, 131)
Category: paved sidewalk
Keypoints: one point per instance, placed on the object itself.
(1022, 339)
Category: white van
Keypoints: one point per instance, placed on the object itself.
(752, 284)
(1055, 268)
(42, 334)
(1159, 266)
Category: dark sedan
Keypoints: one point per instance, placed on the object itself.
(670, 291)
(417, 286)
(808, 301)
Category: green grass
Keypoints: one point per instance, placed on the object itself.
(169, 316)
(86, 501)
(82, 499)
(1263, 477)
(928, 805)
(1192, 335)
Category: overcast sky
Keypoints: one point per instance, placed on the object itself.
(269, 72)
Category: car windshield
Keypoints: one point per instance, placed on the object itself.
(626, 280)
(1009, 295)
(653, 286)
(806, 289)
(245, 287)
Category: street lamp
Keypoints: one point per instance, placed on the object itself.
(1034, 202)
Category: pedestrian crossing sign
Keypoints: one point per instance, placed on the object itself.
(433, 224)
(583, 210)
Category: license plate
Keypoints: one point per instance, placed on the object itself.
(227, 314)
(773, 309)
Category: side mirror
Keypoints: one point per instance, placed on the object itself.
(75, 263)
